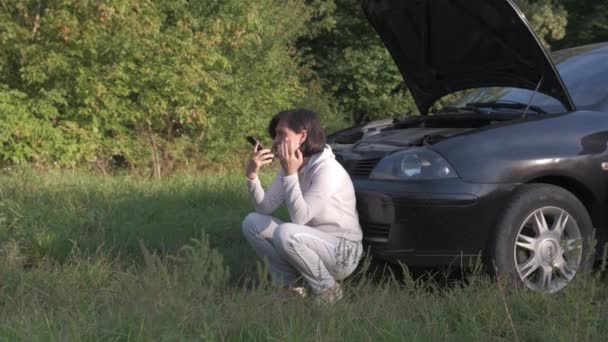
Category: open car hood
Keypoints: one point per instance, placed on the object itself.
(442, 46)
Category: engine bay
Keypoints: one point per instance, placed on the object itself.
(387, 135)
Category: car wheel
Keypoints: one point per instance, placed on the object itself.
(543, 239)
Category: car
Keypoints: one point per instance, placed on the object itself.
(514, 171)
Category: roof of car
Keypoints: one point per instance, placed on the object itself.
(597, 48)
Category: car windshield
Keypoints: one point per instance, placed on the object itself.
(585, 74)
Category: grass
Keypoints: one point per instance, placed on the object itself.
(97, 258)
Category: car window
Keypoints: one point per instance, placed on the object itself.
(490, 94)
(585, 76)
(548, 103)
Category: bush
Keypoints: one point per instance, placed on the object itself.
(97, 82)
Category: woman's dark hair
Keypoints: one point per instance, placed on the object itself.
(297, 120)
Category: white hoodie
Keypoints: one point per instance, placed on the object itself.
(321, 195)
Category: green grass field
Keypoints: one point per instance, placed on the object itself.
(98, 258)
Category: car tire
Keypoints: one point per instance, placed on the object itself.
(528, 249)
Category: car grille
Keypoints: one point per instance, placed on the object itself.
(375, 229)
(363, 168)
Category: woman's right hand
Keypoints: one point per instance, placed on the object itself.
(257, 160)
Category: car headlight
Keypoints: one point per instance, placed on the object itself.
(413, 164)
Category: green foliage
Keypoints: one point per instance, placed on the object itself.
(587, 22)
(356, 69)
(20, 131)
(547, 17)
(140, 79)
(264, 73)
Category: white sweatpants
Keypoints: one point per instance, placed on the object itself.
(295, 251)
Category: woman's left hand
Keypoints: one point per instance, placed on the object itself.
(290, 157)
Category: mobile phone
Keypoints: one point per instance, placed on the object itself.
(253, 140)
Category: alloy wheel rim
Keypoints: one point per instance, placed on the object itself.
(548, 249)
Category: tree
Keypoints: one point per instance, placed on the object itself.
(548, 18)
(587, 22)
(355, 68)
(147, 82)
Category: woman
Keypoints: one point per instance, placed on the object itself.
(322, 244)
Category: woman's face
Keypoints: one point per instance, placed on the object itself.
(283, 132)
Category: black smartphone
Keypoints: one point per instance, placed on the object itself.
(253, 140)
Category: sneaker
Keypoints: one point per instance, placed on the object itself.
(288, 293)
(329, 296)
(299, 291)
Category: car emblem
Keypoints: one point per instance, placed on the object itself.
(551, 252)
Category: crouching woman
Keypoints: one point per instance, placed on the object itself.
(322, 243)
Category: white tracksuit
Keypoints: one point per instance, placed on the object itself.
(323, 241)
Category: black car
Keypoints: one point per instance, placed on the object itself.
(515, 170)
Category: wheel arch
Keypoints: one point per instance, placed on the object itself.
(581, 191)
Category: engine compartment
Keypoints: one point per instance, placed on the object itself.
(412, 131)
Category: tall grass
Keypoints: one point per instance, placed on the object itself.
(47, 216)
(96, 258)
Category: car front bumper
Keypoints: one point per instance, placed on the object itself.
(429, 223)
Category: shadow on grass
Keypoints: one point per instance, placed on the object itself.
(46, 217)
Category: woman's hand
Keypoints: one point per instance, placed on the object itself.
(258, 159)
(290, 157)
